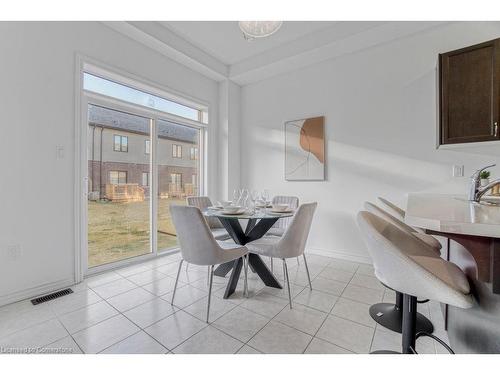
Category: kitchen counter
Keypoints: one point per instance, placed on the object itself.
(453, 214)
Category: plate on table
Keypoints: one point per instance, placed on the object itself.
(277, 212)
(215, 208)
(239, 212)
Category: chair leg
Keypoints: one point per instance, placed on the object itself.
(176, 281)
(307, 270)
(298, 263)
(285, 270)
(245, 262)
(272, 266)
(210, 290)
(208, 275)
(187, 266)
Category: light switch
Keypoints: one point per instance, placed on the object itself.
(458, 171)
(60, 152)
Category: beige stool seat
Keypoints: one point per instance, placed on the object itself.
(406, 264)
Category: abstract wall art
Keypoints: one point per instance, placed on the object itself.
(305, 149)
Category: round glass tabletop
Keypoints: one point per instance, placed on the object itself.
(260, 214)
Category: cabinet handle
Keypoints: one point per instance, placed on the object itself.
(496, 128)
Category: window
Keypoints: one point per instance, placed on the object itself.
(123, 92)
(147, 146)
(120, 143)
(176, 179)
(145, 178)
(117, 177)
(193, 153)
(177, 151)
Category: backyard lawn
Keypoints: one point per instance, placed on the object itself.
(121, 230)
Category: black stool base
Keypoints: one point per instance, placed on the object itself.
(388, 316)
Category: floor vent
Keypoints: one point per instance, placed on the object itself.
(51, 296)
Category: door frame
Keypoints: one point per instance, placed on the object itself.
(83, 99)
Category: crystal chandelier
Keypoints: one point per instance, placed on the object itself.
(259, 29)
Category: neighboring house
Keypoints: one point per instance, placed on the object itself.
(120, 149)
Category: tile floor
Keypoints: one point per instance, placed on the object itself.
(129, 311)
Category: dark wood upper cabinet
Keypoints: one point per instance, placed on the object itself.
(469, 80)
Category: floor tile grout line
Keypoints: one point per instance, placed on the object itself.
(256, 333)
(329, 313)
(214, 327)
(188, 283)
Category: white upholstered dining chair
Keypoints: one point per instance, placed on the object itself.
(291, 245)
(198, 246)
(214, 224)
(278, 229)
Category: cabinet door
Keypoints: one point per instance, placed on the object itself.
(469, 80)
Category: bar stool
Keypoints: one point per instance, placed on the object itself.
(390, 315)
(396, 211)
(406, 264)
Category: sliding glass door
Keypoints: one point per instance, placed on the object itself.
(144, 153)
(137, 166)
(119, 170)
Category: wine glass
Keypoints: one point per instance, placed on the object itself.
(236, 196)
(265, 196)
(244, 196)
(254, 196)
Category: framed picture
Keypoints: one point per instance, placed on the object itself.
(305, 149)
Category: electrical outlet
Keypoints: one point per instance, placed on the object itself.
(458, 171)
(13, 252)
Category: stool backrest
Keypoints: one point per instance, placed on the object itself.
(370, 207)
(398, 212)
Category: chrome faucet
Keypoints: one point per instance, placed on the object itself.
(476, 191)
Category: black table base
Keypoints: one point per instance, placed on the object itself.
(254, 230)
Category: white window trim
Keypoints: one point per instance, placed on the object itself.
(82, 99)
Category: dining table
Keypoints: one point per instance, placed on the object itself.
(258, 222)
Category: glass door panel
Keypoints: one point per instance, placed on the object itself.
(119, 170)
(178, 170)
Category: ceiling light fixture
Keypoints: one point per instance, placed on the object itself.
(259, 29)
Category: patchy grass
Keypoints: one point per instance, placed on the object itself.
(121, 230)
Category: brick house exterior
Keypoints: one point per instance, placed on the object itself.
(120, 142)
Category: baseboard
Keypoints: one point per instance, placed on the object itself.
(340, 255)
(36, 291)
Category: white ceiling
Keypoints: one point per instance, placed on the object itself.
(218, 50)
(224, 40)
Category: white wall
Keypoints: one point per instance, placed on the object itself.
(380, 109)
(37, 106)
(229, 138)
